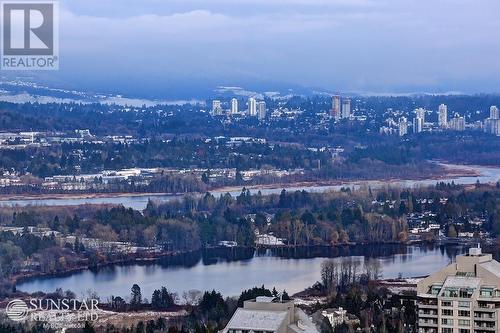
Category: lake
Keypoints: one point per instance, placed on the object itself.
(231, 273)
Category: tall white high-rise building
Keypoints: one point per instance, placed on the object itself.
(443, 116)
(261, 108)
(457, 123)
(252, 107)
(494, 112)
(336, 107)
(420, 113)
(216, 107)
(234, 106)
(403, 126)
(418, 125)
(492, 124)
(346, 108)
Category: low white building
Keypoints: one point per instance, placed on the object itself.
(269, 314)
(336, 317)
(268, 239)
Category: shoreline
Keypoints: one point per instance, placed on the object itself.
(137, 260)
(451, 171)
(153, 258)
(133, 260)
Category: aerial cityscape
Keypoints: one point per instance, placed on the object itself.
(249, 166)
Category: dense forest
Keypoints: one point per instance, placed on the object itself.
(193, 223)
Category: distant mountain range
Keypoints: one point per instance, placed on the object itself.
(22, 90)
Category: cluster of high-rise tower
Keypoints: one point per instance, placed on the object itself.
(255, 108)
(492, 124)
(341, 108)
(457, 123)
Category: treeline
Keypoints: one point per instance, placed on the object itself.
(75, 158)
(301, 218)
(354, 288)
(298, 219)
(340, 274)
(454, 206)
(207, 311)
(454, 147)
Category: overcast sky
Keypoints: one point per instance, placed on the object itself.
(339, 45)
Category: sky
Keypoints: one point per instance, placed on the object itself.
(164, 48)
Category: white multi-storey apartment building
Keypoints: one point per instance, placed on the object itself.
(261, 108)
(346, 108)
(457, 123)
(216, 107)
(463, 297)
(443, 116)
(336, 107)
(234, 106)
(403, 126)
(492, 124)
(252, 107)
(494, 112)
(420, 113)
(418, 124)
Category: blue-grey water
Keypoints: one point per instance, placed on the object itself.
(139, 202)
(231, 277)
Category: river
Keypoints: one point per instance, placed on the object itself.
(231, 273)
(139, 202)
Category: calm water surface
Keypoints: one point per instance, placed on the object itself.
(232, 276)
(487, 174)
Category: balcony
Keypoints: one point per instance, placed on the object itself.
(427, 330)
(485, 306)
(484, 329)
(427, 305)
(427, 323)
(486, 316)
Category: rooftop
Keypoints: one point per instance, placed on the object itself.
(492, 266)
(462, 282)
(260, 320)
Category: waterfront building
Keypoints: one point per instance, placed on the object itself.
(463, 297)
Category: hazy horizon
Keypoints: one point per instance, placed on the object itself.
(184, 49)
